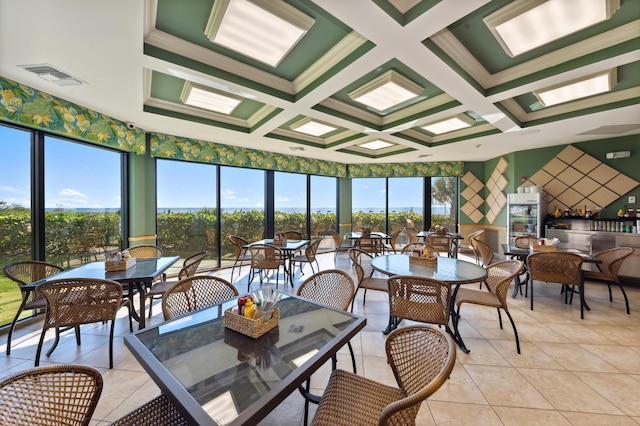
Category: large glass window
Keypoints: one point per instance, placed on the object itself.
(368, 203)
(15, 214)
(444, 195)
(324, 200)
(406, 201)
(187, 216)
(242, 205)
(290, 202)
(82, 202)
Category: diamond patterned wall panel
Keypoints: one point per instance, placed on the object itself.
(576, 180)
(471, 193)
(496, 185)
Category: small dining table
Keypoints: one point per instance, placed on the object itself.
(448, 269)
(138, 277)
(215, 375)
(288, 249)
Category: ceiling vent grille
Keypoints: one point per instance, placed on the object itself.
(52, 74)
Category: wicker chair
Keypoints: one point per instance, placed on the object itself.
(419, 299)
(75, 301)
(364, 271)
(189, 268)
(339, 246)
(333, 288)
(408, 249)
(145, 251)
(485, 253)
(412, 235)
(292, 235)
(421, 358)
(50, 395)
(194, 293)
(557, 267)
(524, 242)
(372, 244)
(242, 254)
(309, 257)
(497, 283)
(266, 258)
(612, 260)
(468, 248)
(23, 273)
(160, 411)
(442, 242)
(391, 245)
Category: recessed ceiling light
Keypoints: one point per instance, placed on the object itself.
(386, 91)
(425, 155)
(265, 30)
(296, 148)
(376, 145)
(576, 89)
(527, 24)
(458, 122)
(312, 127)
(204, 97)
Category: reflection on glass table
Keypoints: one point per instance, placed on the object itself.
(218, 376)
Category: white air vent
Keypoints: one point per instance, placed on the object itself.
(296, 148)
(52, 74)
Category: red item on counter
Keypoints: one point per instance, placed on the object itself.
(241, 302)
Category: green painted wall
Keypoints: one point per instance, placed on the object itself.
(142, 205)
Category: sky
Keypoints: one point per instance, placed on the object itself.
(80, 176)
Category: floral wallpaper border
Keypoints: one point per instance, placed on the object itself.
(452, 168)
(175, 147)
(34, 108)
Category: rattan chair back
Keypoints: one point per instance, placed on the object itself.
(160, 411)
(419, 299)
(266, 258)
(393, 240)
(191, 264)
(499, 277)
(145, 251)
(555, 267)
(339, 246)
(72, 302)
(50, 395)
(612, 260)
(409, 248)
(421, 358)
(362, 264)
(23, 273)
(524, 242)
(309, 255)
(485, 253)
(292, 235)
(194, 293)
(443, 243)
(331, 287)
(412, 235)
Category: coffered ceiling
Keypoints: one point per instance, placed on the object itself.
(319, 96)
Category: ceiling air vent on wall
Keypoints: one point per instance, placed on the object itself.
(52, 74)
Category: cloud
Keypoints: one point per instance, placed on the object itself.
(284, 199)
(11, 190)
(228, 194)
(72, 193)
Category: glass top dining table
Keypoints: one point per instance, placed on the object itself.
(448, 269)
(215, 375)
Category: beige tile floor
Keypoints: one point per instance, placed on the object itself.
(571, 371)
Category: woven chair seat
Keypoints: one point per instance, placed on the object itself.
(159, 288)
(597, 275)
(344, 404)
(379, 284)
(484, 298)
(157, 412)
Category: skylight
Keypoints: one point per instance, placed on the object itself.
(205, 97)
(312, 127)
(265, 30)
(376, 145)
(386, 91)
(523, 25)
(577, 89)
(458, 122)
